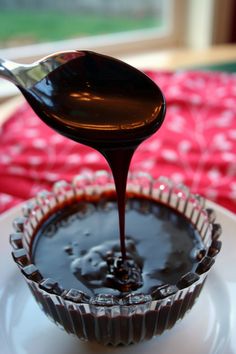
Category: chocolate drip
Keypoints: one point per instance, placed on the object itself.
(103, 103)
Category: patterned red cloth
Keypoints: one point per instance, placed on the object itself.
(196, 144)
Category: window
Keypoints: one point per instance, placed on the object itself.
(79, 24)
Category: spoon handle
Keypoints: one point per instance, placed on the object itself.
(24, 76)
(8, 71)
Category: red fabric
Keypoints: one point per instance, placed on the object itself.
(196, 144)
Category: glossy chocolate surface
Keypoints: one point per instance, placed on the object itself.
(79, 248)
(99, 101)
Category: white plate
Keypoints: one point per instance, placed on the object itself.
(208, 329)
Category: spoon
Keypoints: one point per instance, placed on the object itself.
(95, 100)
(79, 91)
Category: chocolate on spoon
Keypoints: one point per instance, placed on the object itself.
(96, 100)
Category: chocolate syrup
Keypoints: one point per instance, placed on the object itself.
(161, 246)
(103, 103)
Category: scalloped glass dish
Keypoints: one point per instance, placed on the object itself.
(106, 318)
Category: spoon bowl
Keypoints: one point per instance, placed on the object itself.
(89, 97)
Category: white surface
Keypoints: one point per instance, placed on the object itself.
(208, 329)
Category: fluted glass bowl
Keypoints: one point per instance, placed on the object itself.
(105, 318)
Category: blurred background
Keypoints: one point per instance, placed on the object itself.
(30, 28)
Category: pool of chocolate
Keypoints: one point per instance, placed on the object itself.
(78, 246)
